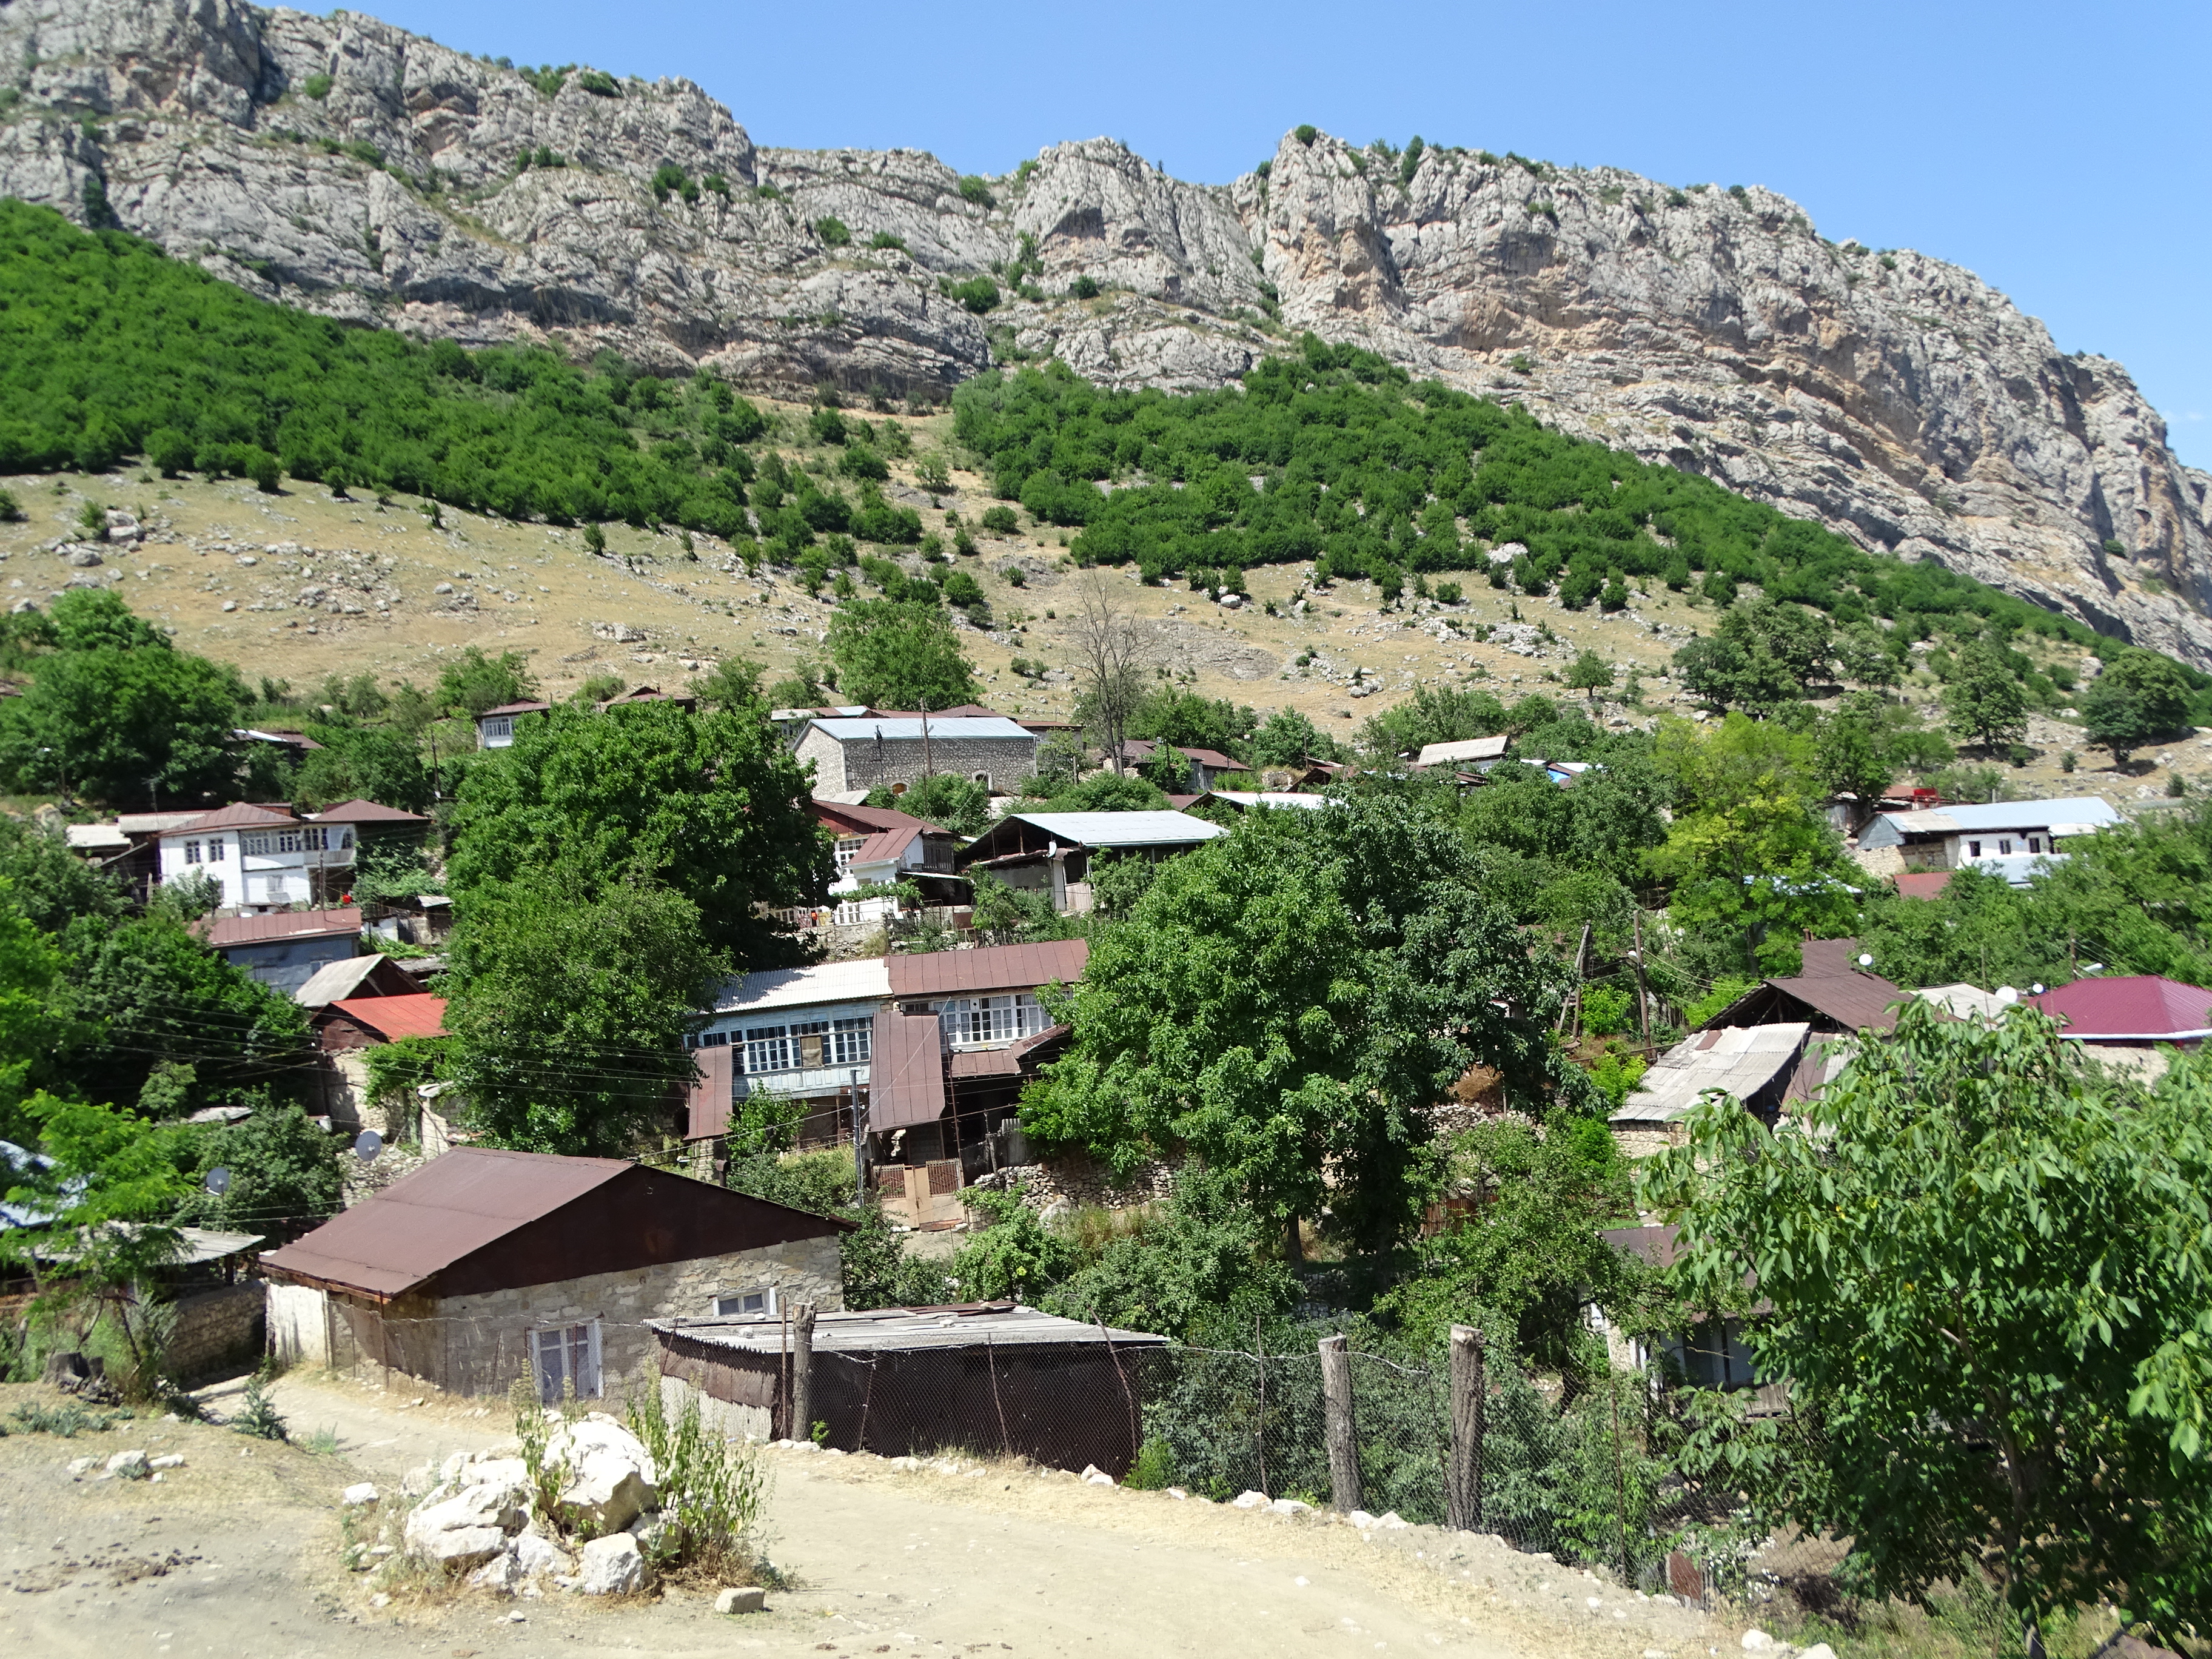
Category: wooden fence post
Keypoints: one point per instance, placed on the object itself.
(1470, 1410)
(1336, 1403)
(802, 1373)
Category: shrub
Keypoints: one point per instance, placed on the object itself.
(599, 83)
(718, 185)
(1155, 1469)
(2115, 547)
(595, 539)
(975, 191)
(933, 474)
(1306, 134)
(831, 229)
(317, 86)
(712, 1489)
(259, 1417)
(665, 178)
(859, 460)
(1015, 576)
(1448, 594)
(882, 239)
(2067, 761)
(999, 521)
(10, 508)
(978, 294)
(1085, 288)
(826, 426)
(767, 194)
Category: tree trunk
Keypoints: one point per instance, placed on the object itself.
(1469, 1402)
(1343, 1443)
(802, 1373)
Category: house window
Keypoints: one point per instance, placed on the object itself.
(708, 1040)
(2034, 844)
(851, 1040)
(976, 1021)
(983, 778)
(746, 1304)
(499, 725)
(268, 845)
(847, 848)
(1973, 849)
(768, 1048)
(214, 850)
(191, 852)
(2004, 848)
(566, 1357)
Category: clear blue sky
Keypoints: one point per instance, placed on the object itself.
(2059, 152)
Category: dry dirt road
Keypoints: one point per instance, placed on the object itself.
(236, 1554)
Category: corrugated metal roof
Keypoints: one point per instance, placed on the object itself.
(1471, 749)
(866, 980)
(1739, 1061)
(415, 1015)
(153, 824)
(335, 981)
(867, 729)
(886, 1330)
(1009, 1061)
(1852, 1001)
(237, 815)
(835, 815)
(1121, 829)
(2077, 813)
(451, 1207)
(1960, 1001)
(2130, 1007)
(516, 708)
(96, 838)
(1923, 883)
(1271, 797)
(225, 932)
(906, 1075)
(885, 846)
(365, 812)
(977, 973)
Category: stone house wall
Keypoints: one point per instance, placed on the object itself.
(215, 1326)
(480, 1344)
(862, 763)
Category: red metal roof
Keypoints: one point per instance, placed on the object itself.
(1923, 883)
(414, 1014)
(238, 816)
(225, 933)
(451, 1207)
(516, 708)
(2144, 1007)
(977, 973)
(713, 1093)
(906, 1074)
(885, 844)
(367, 811)
(863, 820)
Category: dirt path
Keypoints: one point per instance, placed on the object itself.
(235, 1554)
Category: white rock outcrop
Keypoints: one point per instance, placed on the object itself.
(609, 1476)
(612, 1566)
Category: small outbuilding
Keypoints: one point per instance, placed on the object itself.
(990, 1376)
(486, 1265)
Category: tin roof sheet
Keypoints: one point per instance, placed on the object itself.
(951, 728)
(225, 933)
(882, 1330)
(451, 1207)
(906, 1076)
(1739, 1061)
(999, 968)
(416, 1014)
(239, 815)
(865, 980)
(1122, 829)
(2130, 1007)
(1469, 748)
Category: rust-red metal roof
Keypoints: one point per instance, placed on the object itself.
(223, 933)
(2140, 1007)
(857, 820)
(980, 973)
(451, 1207)
(412, 1014)
(239, 815)
(367, 811)
(905, 1073)
(1923, 883)
(1012, 1060)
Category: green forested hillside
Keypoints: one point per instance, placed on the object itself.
(1334, 455)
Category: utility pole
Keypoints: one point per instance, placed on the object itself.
(928, 766)
(1643, 1008)
(435, 792)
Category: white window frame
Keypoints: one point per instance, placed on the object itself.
(730, 1304)
(214, 849)
(559, 1344)
(191, 852)
(988, 1022)
(848, 848)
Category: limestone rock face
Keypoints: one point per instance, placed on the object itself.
(346, 167)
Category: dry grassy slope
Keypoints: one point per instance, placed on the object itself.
(535, 589)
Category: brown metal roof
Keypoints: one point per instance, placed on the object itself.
(413, 1014)
(451, 1207)
(863, 820)
(979, 973)
(225, 932)
(239, 815)
(1854, 1001)
(1012, 1060)
(366, 812)
(905, 1085)
(713, 1094)
(879, 1330)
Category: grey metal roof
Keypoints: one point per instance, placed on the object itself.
(886, 1330)
(956, 727)
(1471, 749)
(867, 979)
(1123, 829)
(2074, 815)
(1740, 1060)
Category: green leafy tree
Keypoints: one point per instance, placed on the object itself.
(711, 805)
(473, 682)
(1201, 1273)
(1291, 998)
(1751, 863)
(902, 654)
(1589, 673)
(1762, 655)
(1989, 1266)
(1287, 737)
(569, 1001)
(285, 1178)
(1434, 714)
(1985, 699)
(2141, 698)
(1110, 792)
(1168, 769)
(960, 805)
(1173, 715)
(363, 763)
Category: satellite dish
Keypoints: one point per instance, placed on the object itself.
(367, 1146)
(430, 1091)
(2036, 990)
(1865, 960)
(2007, 994)
(217, 1180)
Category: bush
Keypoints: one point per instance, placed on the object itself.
(259, 1417)
(1085, 288)
(999, 521)
(11, 510)
(975, 191)
(712, 1488)
(832, 231)
(883, 241)
(317, 86)
(599, 83)
(1306, 134)
(978, 294)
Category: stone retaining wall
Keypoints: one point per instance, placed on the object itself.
(216, 1329)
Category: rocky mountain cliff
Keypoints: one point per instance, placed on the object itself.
(349, 167)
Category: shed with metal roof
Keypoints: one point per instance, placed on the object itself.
(993, 1377)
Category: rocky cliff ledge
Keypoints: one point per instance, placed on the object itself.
(349, 167)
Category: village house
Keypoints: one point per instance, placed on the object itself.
(1206, 765)
(2007, 838)
(877, 846)
(496, 726)
(268, 857)
(878, 751)
(486, 1265)
(1834, 995)
(1468, 754)
(287, 949)
(346, 1028)
(2130, 1020)
(1053, 853)
(802, 1034)
(1763, 1066)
